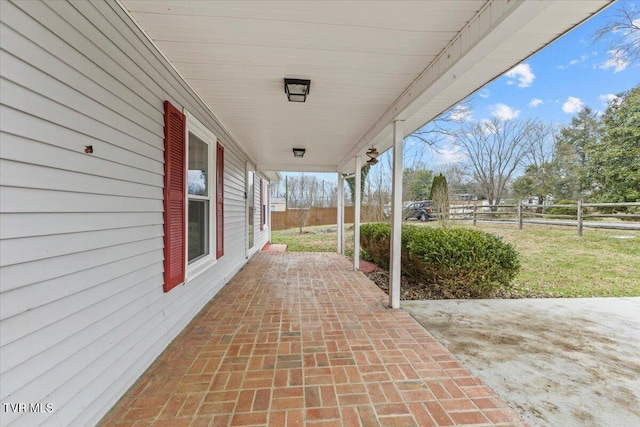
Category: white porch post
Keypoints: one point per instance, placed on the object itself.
(340, 214)
(396, 215)
(356, 215)
(342, 204)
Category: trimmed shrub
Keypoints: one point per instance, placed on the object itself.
(462, 263)
(375, 241)
(454, 263)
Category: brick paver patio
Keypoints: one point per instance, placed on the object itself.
(300, 339)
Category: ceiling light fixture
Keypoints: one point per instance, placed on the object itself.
(296, 89)
(299, 152)
(373, 154)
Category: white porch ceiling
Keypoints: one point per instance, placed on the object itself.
(369, 62)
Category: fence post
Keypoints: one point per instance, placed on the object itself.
(475, 209)
(520, 215)
(580, 217)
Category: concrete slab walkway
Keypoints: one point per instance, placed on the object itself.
(299, 339)
(559, 362)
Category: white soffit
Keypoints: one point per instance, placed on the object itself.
(369, 63)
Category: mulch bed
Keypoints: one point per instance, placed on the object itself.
(412, 289)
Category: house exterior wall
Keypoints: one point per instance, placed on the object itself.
(82, 307)
(261, 236)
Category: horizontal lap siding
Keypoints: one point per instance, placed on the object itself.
(81, 270)
(262, 236)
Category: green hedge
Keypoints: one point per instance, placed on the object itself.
(374, 243)
(455, 263)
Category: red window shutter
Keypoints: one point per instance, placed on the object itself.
(261, 205)
(219, 201)
(174, 196)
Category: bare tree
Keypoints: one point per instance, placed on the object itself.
(304, 192)
(623, 31)
(299, 197)
(495, 149)
(277, 189)
(542, 144)
(457, 178)
(330, 194)
(539, 161)
(316, 192)
(438, 130)
(379, 189)
(421, 141)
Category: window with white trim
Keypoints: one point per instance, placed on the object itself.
(201, 197)
(193, 197)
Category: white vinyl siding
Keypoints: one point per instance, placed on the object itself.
(82, 307)
(262, 236)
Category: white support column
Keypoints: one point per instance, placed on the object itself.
(268, 209)
(396, 215)
(356, 215)
(342, 217)
(340, 214)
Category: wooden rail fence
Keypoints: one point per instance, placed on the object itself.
(522, 213)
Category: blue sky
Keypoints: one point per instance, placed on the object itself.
(551, 85)
(572, 66)
(555, 83)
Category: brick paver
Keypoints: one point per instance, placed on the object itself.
(299, 339)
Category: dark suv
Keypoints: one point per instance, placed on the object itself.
(422, 211)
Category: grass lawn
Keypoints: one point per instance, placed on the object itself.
(313, 239)
(555, 261)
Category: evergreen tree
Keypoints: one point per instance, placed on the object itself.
(538, 181)
(351, 182)
(416, 183)
(440, 196)
(571, 158)
(614, 161)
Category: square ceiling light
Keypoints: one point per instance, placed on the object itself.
(296, 89)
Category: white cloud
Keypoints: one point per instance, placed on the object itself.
(460, 114)
(448, 154)
(608, 98)
(579, 60)
(504, 112)
(617, 60)
(523, 73)
(572, 105)
(576, 61)
(484, 93)
(535, 102)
